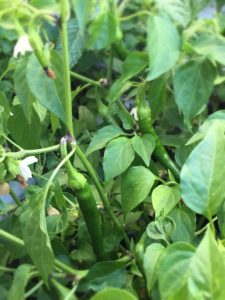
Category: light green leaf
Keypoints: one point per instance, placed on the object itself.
(118, 155)
(35, 235)
(185, 221)
(178, 10)
(193, 84)
(151, 262)
(82, 9)
(134, 63)
(102, 137)
(208, 269)
(144, 146)
(20, 280)
(161, 229)
(62, 291)
(202, 174)
(102, 31)
(210, 45)
(174, 269)
(135, 187)
(4, 113)
(44, 88)
(164, 199)
(114, 293)
(163, 45)
(22, 89)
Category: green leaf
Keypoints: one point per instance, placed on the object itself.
(18, 126)
(193, 84)
(164, 199)
(62, 291)
(163, 45)
(178, 10)
(118, 88)
(20, 280)
(161, 228)
(104, 274)
(4, 113)
(135, 187)
(22, 89)
(114, 293)
(44, 88)
(118, 155)
(210, 45)
(35, 235)
(208, 269)
(144, 146)
(202, 174)
(185, 221)
(157, 95)
(102, 31)
(134, 63)
(151, 262)
(102, 137)
(82, 9)
(174, 269)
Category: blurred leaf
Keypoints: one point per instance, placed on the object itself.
(162, 32)
(114, 293)
(20, 280)
(82, 9)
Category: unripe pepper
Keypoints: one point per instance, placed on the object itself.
(78, 183)
(145, 126)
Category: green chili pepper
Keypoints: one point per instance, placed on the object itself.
(145, 126)
(78, 183)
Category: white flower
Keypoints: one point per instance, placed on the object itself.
(22, 46)
(133, 113)
(23, 166)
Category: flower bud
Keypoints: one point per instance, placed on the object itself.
(4, 188)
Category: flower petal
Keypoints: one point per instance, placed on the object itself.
(29, 160)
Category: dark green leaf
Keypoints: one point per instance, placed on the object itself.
(114, 293)
(35, 234)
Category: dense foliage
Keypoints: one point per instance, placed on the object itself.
(116, 110)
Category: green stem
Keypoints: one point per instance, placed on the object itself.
(86, 79)
(5, 269)
(66, 66)
(17, 241)
(15, 198)
(22, 153)
(110, 67)
(33, 289)
(205, 227)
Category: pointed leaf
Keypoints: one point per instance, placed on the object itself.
(144, 146)
(135, 187)
(163, 45)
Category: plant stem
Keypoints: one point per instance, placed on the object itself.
(5, 269)
(66, 66)
(205, 227)
(110, 67)
(17, 241)
(24, 152)
(137, 14)
(33, 289)
(86, 79)
(15, 198)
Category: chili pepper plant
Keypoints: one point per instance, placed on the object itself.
(112, 149)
